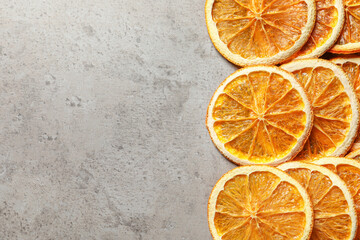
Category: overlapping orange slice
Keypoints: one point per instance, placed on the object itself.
(349, 171)
(335, 106)
(329, 23)
(334, 208)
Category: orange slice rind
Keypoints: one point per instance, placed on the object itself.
(259, 115)
(259, 202)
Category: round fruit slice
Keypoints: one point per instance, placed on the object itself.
(259, 115)
(334, 208)
(329, 23)
(349, 171)
(259, 31)
(349, 40)
(336, 111)
(354, 154)
(351, 65)
(259, 202)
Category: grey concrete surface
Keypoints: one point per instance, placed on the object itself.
(102, 131)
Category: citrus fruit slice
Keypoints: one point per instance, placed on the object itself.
(354, 154)
(351, 65)
(329, 23)
(259, 115)
(336, 113)
(259, 31)
(349, 40)
(259, 202)
(349, 171)
(334, 209)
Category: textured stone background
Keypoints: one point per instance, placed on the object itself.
(103, 105)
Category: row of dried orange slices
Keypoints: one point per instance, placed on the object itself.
(305, 110)
(248, 32)
(268, 115)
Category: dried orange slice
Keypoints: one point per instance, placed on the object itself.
(334, 208)
(259, 31)
(329, 23)
(259, 202)
(351, 65)
(259, 115)
(349, 171)
(336, 111)
(349, 40)
(354, 154)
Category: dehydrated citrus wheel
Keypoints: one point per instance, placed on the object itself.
(259, 115)
(351, 65)
(334, 208)
(259, 202)
(354, 154)
(248, 32)
(336, 113)
(349, 171)
(329, 23)
(349, 40)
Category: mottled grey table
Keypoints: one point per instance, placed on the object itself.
(102, 122)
